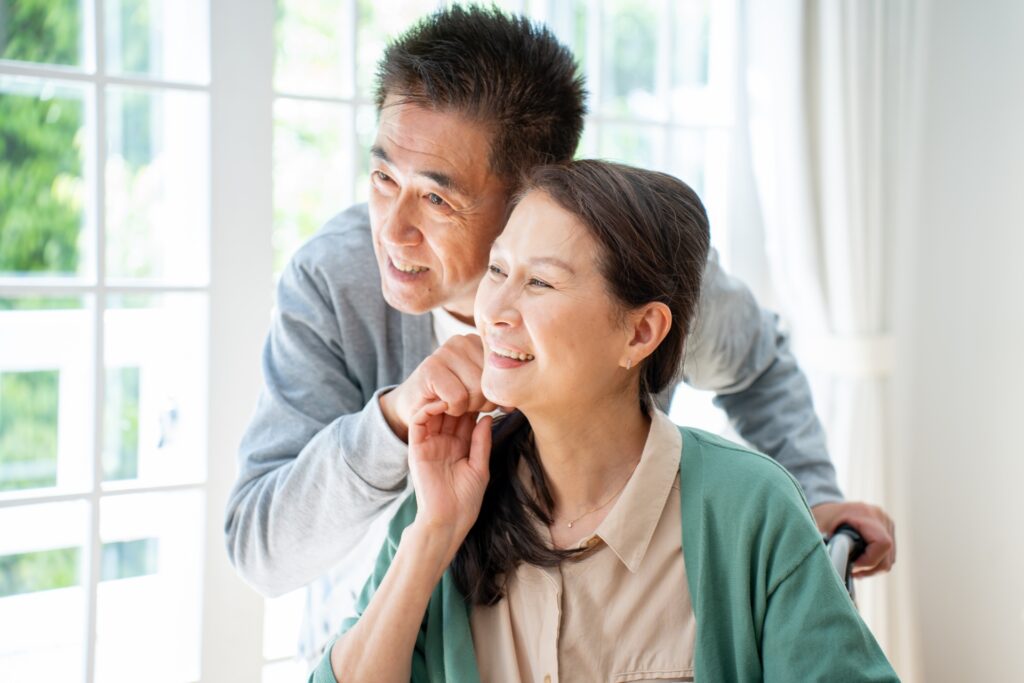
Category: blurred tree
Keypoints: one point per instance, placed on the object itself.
(41, 163)
(40, 144)
(28, 429)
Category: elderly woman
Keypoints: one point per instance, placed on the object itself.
(596, 541)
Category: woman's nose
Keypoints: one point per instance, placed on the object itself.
(499, 307)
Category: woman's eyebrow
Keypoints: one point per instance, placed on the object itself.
(553, 261)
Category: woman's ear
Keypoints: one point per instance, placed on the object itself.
(647, 327)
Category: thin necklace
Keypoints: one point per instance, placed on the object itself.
(592, 510)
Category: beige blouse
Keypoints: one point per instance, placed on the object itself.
(620, 612)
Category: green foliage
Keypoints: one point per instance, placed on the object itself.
(28, 429)
(59, 568)
(632, 65)
(40, 144)
(121, 424)
(127, 559)
(134, 50)
(40, 187)
(40, 30)
(38, 571)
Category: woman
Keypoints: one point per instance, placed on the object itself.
(596, 540)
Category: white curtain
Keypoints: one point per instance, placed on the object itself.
(821, 90)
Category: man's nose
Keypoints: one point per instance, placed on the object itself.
(400, 223)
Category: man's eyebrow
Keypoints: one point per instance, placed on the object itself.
(442, 179)
(446, 181)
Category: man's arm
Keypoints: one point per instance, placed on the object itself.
(316, 465)
(737, 350)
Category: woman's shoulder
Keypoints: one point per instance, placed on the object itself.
(733, 471)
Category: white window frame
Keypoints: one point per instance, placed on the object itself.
(239, 298)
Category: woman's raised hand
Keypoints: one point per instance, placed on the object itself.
(449, 464)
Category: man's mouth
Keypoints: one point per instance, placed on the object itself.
(404, 267)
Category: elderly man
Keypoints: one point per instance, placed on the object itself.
(374, 316)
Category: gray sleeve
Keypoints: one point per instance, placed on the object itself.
(738, 350)
(318, 461)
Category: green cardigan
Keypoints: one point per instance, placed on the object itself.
(768, 604)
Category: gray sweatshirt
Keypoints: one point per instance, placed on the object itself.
(319, 466)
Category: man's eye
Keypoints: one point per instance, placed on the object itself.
(435, 199)
(534, 282)
(382, 177)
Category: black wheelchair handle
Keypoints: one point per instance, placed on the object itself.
(844, 548)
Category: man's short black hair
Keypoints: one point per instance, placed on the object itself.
(503, 71)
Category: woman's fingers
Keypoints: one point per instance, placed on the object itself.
(427, 421)
(480, 446)
(464, 428)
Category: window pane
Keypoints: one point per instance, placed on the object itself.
(366, 132)
(314, 52)
(691, 22)
(42, 599)
(155, 398)
(285, 672)
(158, 185)
(28, 429)
(47, 31)
(568, 19)
(162, 39)
(282, 621)
(631, 144)
(379, 22)
(630, 54)
(45, 390)
(43, 189)
(313, 168)
(686, 158)
(150, 613)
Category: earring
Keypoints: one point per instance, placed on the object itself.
(629, 363)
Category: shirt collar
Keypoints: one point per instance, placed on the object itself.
(447, 325)
(630, 524)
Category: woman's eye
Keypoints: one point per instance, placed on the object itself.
(495, 270)
(534, 282)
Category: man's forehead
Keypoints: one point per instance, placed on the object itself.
(444, 147)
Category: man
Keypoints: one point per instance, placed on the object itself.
(374, 314)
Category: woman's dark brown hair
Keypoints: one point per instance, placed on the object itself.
(652, 235)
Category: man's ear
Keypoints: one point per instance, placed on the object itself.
(647, 326)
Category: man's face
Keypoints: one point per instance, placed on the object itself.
(435, 207)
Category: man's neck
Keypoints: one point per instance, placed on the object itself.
(460, 315)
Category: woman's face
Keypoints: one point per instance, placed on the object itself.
(552, 332)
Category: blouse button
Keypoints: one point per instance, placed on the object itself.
(547, 679)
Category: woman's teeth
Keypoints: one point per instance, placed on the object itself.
(513, 355)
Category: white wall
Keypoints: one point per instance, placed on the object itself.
(960, 385)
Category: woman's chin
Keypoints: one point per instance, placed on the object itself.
(499, 393)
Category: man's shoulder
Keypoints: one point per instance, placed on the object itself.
(339, 263)
(344, 245)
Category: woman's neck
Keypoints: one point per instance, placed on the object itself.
(589, 452)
